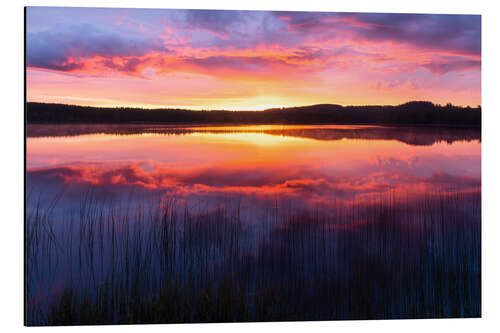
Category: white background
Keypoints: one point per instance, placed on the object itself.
(12, 159)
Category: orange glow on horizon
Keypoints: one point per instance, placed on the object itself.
(265, 60)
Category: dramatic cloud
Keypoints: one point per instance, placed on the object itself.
(453, 33)
(336, 56)
(67, 46)
(448, 64)
(219, 22)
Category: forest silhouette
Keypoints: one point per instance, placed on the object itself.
(411, 113)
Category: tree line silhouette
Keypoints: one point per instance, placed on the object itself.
(414, 112)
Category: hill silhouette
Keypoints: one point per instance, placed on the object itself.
(415, 112)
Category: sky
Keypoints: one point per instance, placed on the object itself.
(249, 60)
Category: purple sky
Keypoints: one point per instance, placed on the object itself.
(249, 59)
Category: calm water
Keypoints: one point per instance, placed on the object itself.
(384, 216)
(313, 164)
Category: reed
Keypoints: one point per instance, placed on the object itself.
(159, 260)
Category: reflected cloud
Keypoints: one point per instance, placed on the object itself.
(304, 165)
(304, 185)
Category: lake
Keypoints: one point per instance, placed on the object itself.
(152, 223)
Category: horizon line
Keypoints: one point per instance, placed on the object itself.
(250, 109)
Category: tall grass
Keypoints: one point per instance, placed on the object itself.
(164, 261)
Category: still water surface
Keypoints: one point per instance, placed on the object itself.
(312, 164)
(147, 223)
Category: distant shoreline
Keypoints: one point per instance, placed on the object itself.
(198, 124)
(409, 114)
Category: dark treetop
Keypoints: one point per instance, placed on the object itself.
(417, 112)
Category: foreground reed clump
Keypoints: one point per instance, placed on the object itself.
(165, 262)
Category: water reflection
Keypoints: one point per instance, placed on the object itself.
(410, 135)
(215, 161)
(252, 223)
